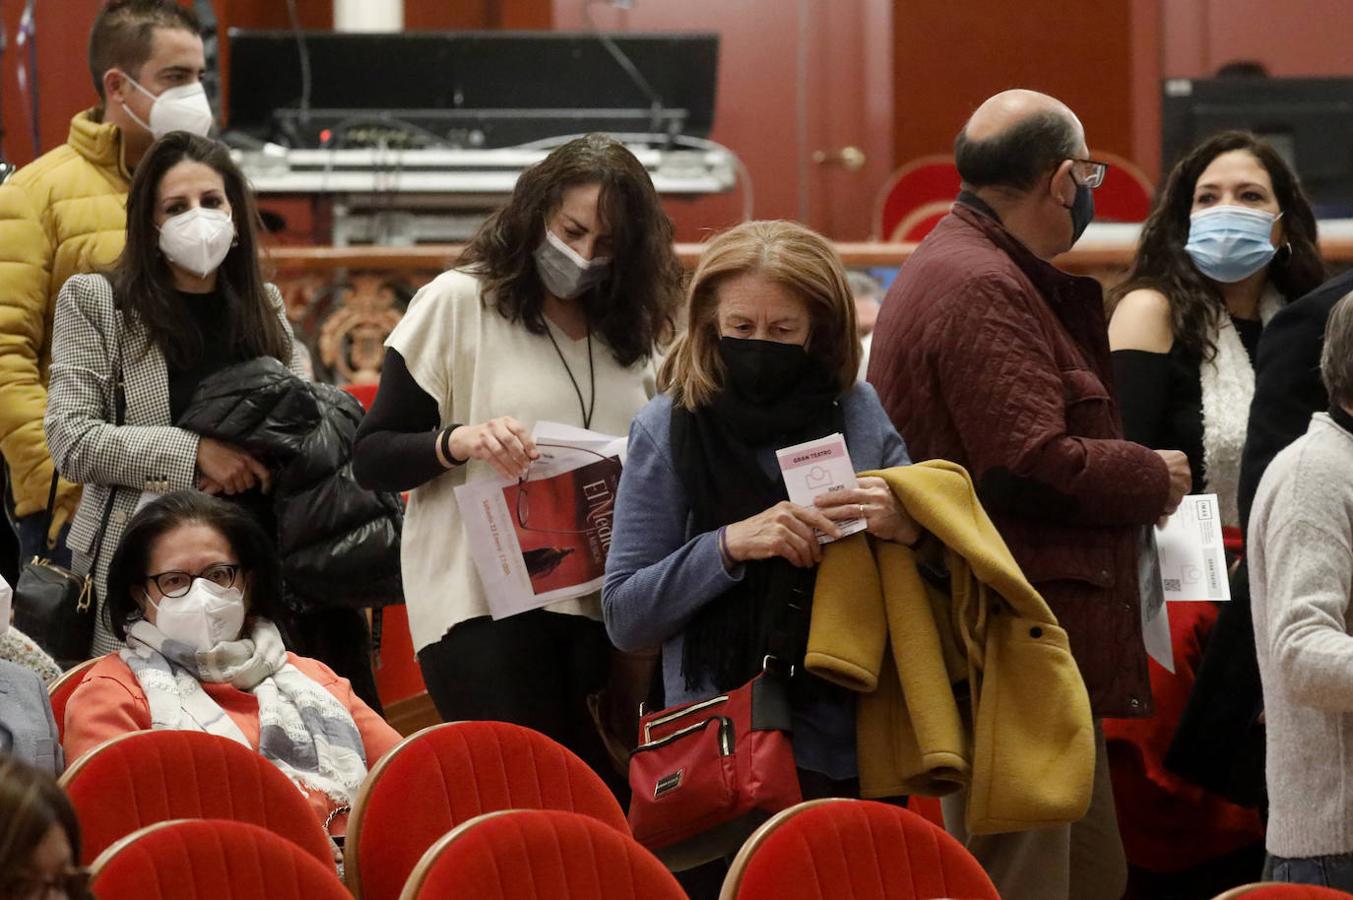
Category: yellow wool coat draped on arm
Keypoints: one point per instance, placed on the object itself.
(925, 634)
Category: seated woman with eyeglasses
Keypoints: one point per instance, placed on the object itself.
(192, 591)
(39, 837)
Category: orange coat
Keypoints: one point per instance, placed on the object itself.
(109, 703)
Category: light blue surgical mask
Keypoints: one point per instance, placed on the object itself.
(1231, 243)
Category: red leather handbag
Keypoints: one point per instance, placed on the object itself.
(706, 774)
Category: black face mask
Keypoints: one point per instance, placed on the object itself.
(1082, 211)
(762, 371)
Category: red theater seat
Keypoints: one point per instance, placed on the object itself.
(927, 183)
(444, 776)
(212, 858)
(146, 777)
(59, 691)
(1275, 891)
(1125, 195)
(528, 854)
(364, 391)
(850, 850)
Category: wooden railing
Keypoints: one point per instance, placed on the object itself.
(345, 300)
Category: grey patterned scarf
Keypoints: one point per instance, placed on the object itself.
(303, 729)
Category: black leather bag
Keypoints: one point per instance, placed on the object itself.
(52, 605)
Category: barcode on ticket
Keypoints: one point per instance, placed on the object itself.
(1172, 584)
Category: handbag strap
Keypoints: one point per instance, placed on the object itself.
(49, 513)
(119, 417)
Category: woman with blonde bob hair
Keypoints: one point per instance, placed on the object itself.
(709, 555)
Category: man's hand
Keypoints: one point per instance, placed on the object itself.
(1181, 479)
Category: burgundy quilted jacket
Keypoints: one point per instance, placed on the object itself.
(992, 358)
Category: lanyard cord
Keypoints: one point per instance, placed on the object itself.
(591, 376)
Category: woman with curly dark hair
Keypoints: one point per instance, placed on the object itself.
(1232, 240)
(552, 312)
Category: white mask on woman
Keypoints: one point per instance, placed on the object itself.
(563, 272)
(198, 240)
(202, 618)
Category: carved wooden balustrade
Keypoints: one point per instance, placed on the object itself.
(344, 301)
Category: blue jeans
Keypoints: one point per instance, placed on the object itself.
(1334, 871)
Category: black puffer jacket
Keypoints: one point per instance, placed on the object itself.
(339, 542)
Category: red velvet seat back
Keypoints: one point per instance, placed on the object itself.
(365, 392)
(154, 776)
(59, 691)
(849, 849)
(1286, 892)
(213, 858)
(527, 854)
(918, 183)
(446, 775)
(1126, 194)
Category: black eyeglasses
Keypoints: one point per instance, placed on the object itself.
(174, 584)
(1091, 172)
(524, 503)
(73, 883)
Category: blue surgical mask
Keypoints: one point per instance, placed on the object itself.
(1231, 243)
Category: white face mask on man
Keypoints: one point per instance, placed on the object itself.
(182, 108)
(202, 618)
(198, 240)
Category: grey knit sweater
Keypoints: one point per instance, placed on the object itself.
(1301, 578)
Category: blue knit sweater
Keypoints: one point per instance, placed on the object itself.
(659, 574)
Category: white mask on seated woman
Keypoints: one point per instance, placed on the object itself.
(202, 618)
(198, 240)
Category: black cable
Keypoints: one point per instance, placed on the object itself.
(304, 52)
(654, 99)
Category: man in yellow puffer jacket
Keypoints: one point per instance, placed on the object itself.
(64, 214)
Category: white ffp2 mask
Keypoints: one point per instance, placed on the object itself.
(198, 240)
(203, 617)
(182, 108)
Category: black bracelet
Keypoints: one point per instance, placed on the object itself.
(445, 438)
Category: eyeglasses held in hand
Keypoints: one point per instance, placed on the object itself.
(524, 503)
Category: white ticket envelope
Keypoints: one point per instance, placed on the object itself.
(814, 468)
(1192, 558)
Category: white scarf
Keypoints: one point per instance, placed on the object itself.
(1228, 387)
(303, 729)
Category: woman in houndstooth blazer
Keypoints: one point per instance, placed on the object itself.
(185, 299)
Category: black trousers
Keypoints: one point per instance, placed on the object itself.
(533, 669)
(339, 638)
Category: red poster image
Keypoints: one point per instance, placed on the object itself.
(563, 524)
(545, 540)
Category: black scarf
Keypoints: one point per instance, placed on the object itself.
(715, 452)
